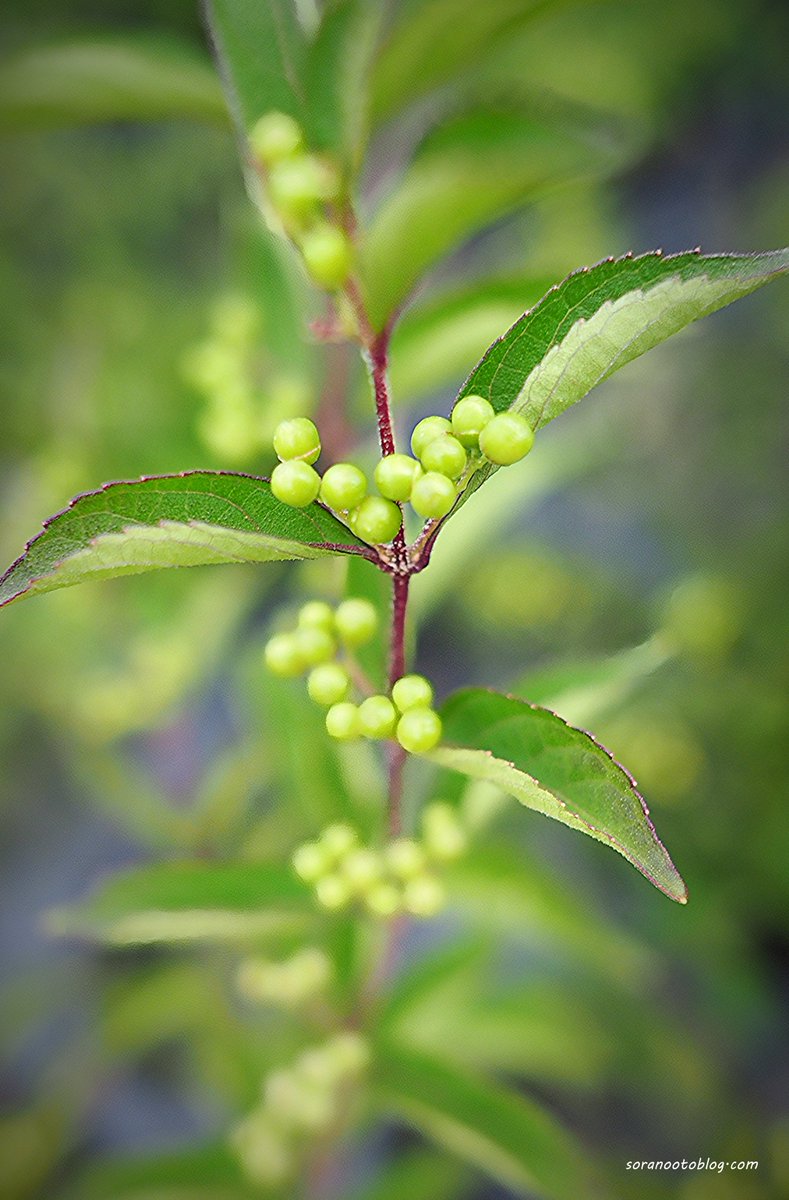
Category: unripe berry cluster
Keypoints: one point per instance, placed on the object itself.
(298, 1102)
(398, 878)
(446, 452)
(300, 186)
(288, 984)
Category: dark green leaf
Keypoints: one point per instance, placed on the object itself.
(505, 1135)
(336, 77)
(107, 79)
(182, 520)
(549, 766)
(184, 902)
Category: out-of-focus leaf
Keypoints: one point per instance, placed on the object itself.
(507, 1136)
(472, 171)
(336, 76)
(549, 766)
(419, 1175)
(205, 1173)
(185, 902)
(107, 79)
(366, 581)
(30, 1144)
(183, 520)
(261, 49)
(432, 344)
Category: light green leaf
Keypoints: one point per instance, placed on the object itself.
(472, 171)
(335, 76)
(418, 1175)
(182, 520)
(562, 772)
(188, 902)
(261, 49)
(507, 1136)
(108, 79)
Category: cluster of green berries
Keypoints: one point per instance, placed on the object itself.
(445, 451)
(291, 983)
(299, 186)
(313, 646)
(398, 878)
(298, 1102)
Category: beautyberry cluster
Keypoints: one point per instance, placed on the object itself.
(301, 188)
(298, 1102)
(398, 878)
(446, 451)
(291, 983)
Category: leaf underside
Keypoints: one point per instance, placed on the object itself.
(557, 770)
(184, 520)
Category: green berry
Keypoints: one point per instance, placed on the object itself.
(362, 868)
(419, 730)
(310, 861)
(412, 691)
(426, 430)
(384, 900)
(328, 256)
(376, 520)
(297, 438)
(343, 487)
(349, 1052)
(298, 185)
(333, 892)
(274, 137)
(342, 722)
(328, 684)
(356, 620)
(316, 614)
(339, 839)
(309, 972)
(469, 417)
(283, 655)
(405, 857)
(394, 476)
(506, 439)
(444, 837)
(424, 896)
(295, 483)
(433, 495)
(315, 645)
(445, 455)
(377, 717)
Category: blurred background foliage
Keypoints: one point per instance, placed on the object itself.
(633, 573)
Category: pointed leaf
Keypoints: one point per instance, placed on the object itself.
(182, 520)
(558, 770)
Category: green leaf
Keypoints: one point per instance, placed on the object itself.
(108, 79)
(532, 754)
(209, 1172)
(505, 1135)
(182, 520)
(417, 1175)
(261, 49)
(187, 902)
(335, 77)
(472, 171)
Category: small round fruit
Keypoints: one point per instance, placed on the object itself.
(283, 655)
(384, 900)
(295, 483)
(376, 520)
(412, 691)
(424, 896)
(444, 837)
(356, 621)
(419, 730)
(362, 868)
(274, 137)
(328, 256)
(333, 892)
(433, 495)
(297, 438)
(350, 1052)
(316, 614)
(328, 684)
(342, 721)
(394, 476)
(469, 417)
(405, 857)
(377, 717)
(315, 645)
(445, 455)
(343, 487)
(506, 439)
(297, 186)
(339, 839)
(310, 861)
(427, 429)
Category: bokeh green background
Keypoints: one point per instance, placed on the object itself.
(134, 724)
